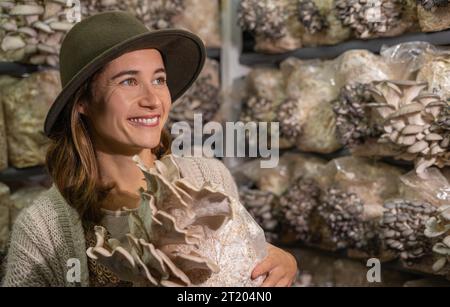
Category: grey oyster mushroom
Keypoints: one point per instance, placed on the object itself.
(257, 109)
(442, 126)
(262, 207)
(288, 115)
(410, 115)
(266, 18)
(353, 114)
(137, 8)
(196, 16)
(310, 16)
(201, 98)
(438, 227)
(342, 214)
(160, 13)
(155, 14)
(431, 5)
(403, 226)
(183, 235)
(297, 203)
(369, 18)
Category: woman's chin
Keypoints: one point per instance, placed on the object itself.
(147, 145)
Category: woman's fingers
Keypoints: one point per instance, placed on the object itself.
(284, 282)
(274, 277)
(262, 268)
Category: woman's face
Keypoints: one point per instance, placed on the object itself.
(131, 103)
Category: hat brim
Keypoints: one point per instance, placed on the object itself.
(183, 54)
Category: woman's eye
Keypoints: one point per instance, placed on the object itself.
(129, 82)
(160, 81)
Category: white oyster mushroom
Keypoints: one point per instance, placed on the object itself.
(183, 235)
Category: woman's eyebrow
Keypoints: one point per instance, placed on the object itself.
(135, 72)
(125, 72)
(160, 70)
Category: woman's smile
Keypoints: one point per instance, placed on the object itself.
(145, 121)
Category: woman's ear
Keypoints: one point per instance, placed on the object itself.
(82, 107)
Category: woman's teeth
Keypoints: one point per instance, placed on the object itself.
(146, 121)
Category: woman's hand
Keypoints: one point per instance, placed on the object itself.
(280, 267)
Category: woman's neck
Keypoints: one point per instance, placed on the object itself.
(128, 178)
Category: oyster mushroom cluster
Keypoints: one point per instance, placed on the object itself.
(183, 235)
(431, 5)
(310, 16)
(297, 203)
(369, 18)
(155, 14)
(402, 227)
(262, 207)
(410, 117)
(438, 227)
(135, 7)
(353, 118)
(201, 98)
(33, 31)
(442, 126)
(266, 18)
(342, 213)
(159, 14)
(259, 109)
(288, 115)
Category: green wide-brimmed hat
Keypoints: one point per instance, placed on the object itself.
(99, 39)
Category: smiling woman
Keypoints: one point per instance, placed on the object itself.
(121, 109)
(133, 103)
(119, 80)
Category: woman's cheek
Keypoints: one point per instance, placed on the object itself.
(166, 109)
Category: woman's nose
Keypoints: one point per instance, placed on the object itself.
(148, 97)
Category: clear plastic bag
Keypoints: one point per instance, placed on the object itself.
(433, 188)
(361, 66)
(423, 62)
(312, 84)
(207, 26)
(373, 182)
(407, 58)
(291, 166)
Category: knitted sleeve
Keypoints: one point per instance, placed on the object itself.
(31, 254)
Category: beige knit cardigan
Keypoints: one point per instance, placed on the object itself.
(49, 232)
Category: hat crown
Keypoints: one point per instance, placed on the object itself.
(94, 35)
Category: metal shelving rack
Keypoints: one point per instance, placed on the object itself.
(12, 174)
(326, 52)
(241, 58)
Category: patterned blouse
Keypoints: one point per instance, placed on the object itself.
(99, 275)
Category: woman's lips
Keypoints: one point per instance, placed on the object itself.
(144, 121)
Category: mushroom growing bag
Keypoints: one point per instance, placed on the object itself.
(183, 235)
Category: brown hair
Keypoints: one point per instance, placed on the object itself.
(71, 159)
